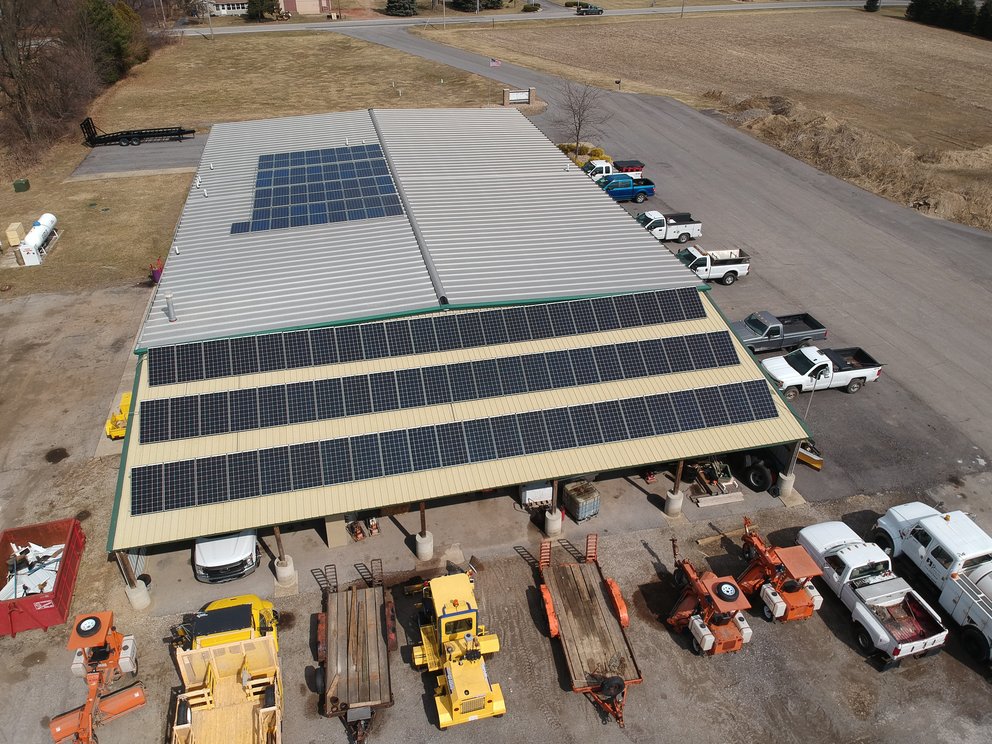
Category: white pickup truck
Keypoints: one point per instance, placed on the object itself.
(890, 619)
(678, 226)
(597, 169)
(955, 555)
(725, 267)
(809, 368)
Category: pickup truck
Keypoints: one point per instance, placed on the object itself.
(676, 226)
(762, 331)
(627, 188)
(890, 619)
(597, 169)
(809, 368)
(725, 267)
(588, 10)
(955, 555)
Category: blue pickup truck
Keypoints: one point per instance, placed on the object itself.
(625, 188)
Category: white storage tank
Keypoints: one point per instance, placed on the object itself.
(32, 247)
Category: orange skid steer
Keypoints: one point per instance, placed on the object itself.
(103, 656)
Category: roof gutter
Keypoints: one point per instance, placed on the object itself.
(442, 295)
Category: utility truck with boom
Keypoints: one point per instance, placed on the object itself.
(725, 266)
(808, 368)
(890, 619)
(955, 555)
(678, 226)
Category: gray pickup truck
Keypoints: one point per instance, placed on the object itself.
(762, 331)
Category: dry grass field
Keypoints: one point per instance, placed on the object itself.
(115, 227)
(899, 108)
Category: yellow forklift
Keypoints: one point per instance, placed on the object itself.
(454, 644)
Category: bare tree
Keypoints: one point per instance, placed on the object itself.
(581, 111)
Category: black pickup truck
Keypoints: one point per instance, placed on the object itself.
(762, 331)
(588, 10)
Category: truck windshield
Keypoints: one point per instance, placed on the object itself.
(588, 167)
(755, 324)
(978, 560)
(869, 569)
(685, 256)
(799, 361)
(643, 219)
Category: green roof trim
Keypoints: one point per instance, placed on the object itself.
(123, 467)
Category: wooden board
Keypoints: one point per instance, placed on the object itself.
(357, 669)
(590, 633)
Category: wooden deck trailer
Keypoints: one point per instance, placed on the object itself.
(355, 633)
(587, 614)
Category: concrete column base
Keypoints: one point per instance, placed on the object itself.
(552, 523)
(425, 546)
(287, 578)
(786, 485)
(138, 595)
(673, 503)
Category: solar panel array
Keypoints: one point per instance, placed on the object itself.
(315, 187)
(240, 475)
(277, 405)
(422, 335)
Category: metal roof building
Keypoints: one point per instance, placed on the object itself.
(380, 307)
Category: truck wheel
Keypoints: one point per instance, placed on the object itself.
(791, 393)
(640, 197)
(758, 477)
(861, 637)
(319, 680)
(683, 238)
(882, 539)
(123, 142)
(805, 342)
(729, 278)
(855, 385)
(976, 645)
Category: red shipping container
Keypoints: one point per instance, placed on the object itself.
(50, 608)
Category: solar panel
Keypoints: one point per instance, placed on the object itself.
(436, 386)
(506, 432)
(511, 375)
(244, 409)
(180, 485)
(271, 354)
(366, 457)
(630, 316)
(533, 432)
(671, 308)
(216, 359)
(735, 400)
(272, 408)
(585, 425)
(357, 396)
(678, 354)
(189, 362)
(470, 330)
(154, 421)
(562, 322)
(374, 341)
(559, 425)
(324, 346)
(424, 339)
(611, 421)
(446, 328)
(214, 414)
(606, 313)
(451, 442)
(462, 381)
(184, 417)
(635, 414)
(631, 361)
(687, 410)
(411, 388)
(395, 452)
(760, 398)
(242, 475)
(211, 480)
(539, 321)
(298, 349)
(330, 399)
(273, 465)
(302, 405)
(655, 359)
(711, 405)
(146, 490)
(244, 355)
(560, 369)
(700, 351)
(335, 459)
(647, 306)
(536, 372)
(494, 328)
(662, 413)
(608, 363)
(517, 329)
(384, 394)
(349, 342)
(305, 466)
(398, 337)
(584, 366)
(584, 316)
(423, 447)
(162, 365)
(479, 436)
(487, 382)
(723, 349)
(691, 304)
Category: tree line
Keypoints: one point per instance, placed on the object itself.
(956, 15)
(409, 7)
(55, 58)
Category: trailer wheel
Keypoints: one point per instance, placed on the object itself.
(696, 648)
(766, 612)
(729, 278)
(791, 393)
(611, 687)
(683, 238)
(976, 645)
(88, 626)
(640, 197)
(123, 142)
(135, 141)
(319, 680)
(855, 385)
(861, 637)
(758, 477)
(726, 591)
(881, 538)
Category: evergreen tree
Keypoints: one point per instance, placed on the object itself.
(872, 5)
(983, 21)
(110, 39)
(917, 9)
(967, 12)
(258, 9)
(401, 7)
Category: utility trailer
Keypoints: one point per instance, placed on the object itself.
(355, 633)
(781, 577)
(587, 614)
(95, 137)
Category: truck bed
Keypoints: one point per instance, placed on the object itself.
(357, 661)
(845, 360)
(906, 619)
(590, 633)
(800, 323)
(625, 166)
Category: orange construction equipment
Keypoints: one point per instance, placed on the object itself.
(710, 608)
(103, 656)
(782, 577)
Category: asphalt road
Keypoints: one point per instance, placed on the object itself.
(913, 291)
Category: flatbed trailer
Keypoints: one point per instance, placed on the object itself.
(95, 137)
(355, 632)
(587, 614)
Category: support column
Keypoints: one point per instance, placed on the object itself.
(787, 479)
(675, 497)
(424, 540)
(287, 577)
(553, 516)
(135, 589)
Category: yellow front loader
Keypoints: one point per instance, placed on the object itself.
(453, 643)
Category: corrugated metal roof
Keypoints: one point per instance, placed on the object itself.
(132, 531)
(501, 213)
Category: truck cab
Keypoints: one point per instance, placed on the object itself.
(223, 558)
(224, 621)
